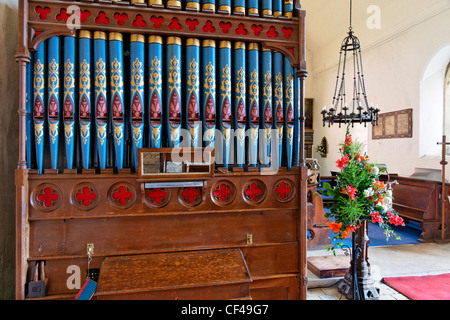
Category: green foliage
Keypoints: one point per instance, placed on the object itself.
(358, 193)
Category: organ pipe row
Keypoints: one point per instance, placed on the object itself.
(101, 96)
(265, 8)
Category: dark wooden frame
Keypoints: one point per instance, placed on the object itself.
(35, 28)
(382, 125)
(168, 177)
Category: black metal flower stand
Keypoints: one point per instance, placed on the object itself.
(357, 283)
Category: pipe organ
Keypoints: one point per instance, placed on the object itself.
(121, 106)
(109, 93)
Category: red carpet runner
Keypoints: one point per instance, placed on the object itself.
(433, 287)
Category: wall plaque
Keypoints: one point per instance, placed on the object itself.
(397, 124)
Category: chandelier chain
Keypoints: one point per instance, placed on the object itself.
(359, 111)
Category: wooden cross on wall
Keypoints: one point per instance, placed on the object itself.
(443, 162)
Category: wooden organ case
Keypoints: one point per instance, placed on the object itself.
(109, 90)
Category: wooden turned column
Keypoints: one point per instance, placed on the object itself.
(22, 57)
(303, 221)
(21, 184)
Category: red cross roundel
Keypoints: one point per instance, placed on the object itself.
(46, 197)
(157, 197)
(223, 192)
(254, 191)
(284, 190)
(122, 195)
(190, 196)
(85, 196)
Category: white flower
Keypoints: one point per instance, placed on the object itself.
(368, 192)
(385, 207)
(375, 170)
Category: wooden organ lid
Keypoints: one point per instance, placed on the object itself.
(172, 271)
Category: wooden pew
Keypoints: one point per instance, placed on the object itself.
(419, 200)
(318, 231)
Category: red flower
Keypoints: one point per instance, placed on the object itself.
(348, 140)
(379, 184)
(343, 162)
(350, 191)
(395, 220)
(348, 231)
(376, 217)
(336, 227)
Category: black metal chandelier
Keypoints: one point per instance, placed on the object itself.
(359, 110)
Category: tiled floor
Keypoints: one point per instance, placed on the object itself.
(387, 261)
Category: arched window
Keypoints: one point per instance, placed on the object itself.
(434, 117)
(447, 104)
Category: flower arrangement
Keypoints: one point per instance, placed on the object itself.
(359, 194)
(321, 149)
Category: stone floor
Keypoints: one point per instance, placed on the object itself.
(386, 261)
(331, 293)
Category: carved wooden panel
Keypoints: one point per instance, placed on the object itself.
(50, 18)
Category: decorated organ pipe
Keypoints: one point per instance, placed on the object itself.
(209, 5)
(117, 95)
(266, 110)
(224, 112)
(288, 7)
(193, 5)
(192, 122)
(84, 109)
(239, 7)
(69, 108)
(253, 7)
(239, 115)
(155, 3)
(244, 103)
(38, 104)
(53, 110)
(253, 103)
(173, 4)
(288, 103)
(100, 101)
(173, 103)
(278, 112)
(277, 9)
(296, 119)
(155, 90)
(266, 8)
(224, 6)
(209, 91)
(137, 67)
